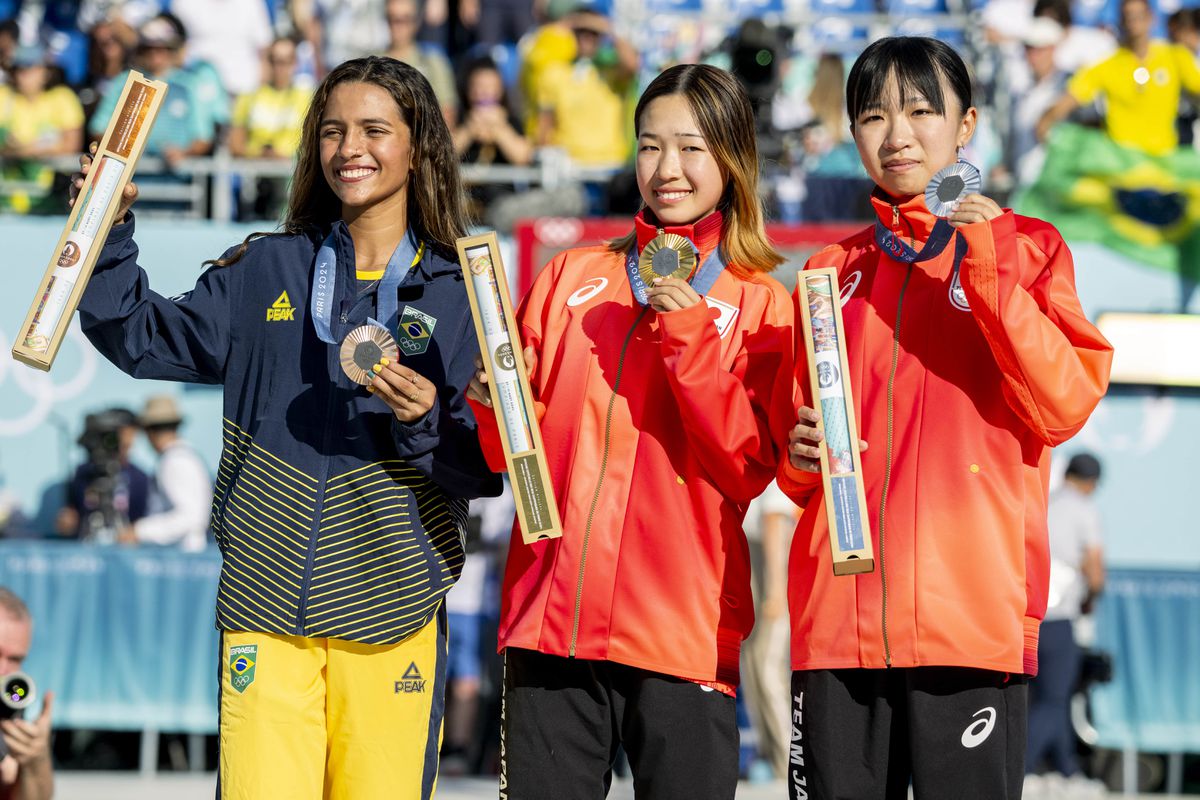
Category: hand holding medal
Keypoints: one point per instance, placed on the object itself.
(369, 356)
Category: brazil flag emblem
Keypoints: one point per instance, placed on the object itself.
(242, 660)
(414, 331)
(1145, 207)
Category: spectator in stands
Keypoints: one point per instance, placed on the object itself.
(497, 22)
(1076, 579)
(1047, 83)
(766, 676)
(403, 21)
(1082, 46)
(552, 44)
(583, 106)
(267, 122)
(26, 771)
(110, 53)
(1141, 85)
(490, 131)
(182, 490)
(340, 30)
(230, 35)
(183, 127)
(203, 82)
(107, 492)
(37, 120)
(1183, 29)
(10, 38)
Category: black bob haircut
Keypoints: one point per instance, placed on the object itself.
(918, 62)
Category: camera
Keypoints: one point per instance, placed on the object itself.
(17, 693)
(101, 439)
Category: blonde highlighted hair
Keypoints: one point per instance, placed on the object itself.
(722, 110)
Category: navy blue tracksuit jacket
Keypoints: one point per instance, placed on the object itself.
(334, 518)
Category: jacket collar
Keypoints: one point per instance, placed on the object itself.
(908, 216)
(430, 266)
(705, 233)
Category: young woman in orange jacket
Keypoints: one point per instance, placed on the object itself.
(969, 357)
(661, 399)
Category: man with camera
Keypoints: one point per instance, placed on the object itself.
(107, 493)
(25, 769)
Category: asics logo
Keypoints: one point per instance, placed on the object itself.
(852, 281)
(979, 730)
(590, 288)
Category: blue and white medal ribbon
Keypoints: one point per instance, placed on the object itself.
(409, 252)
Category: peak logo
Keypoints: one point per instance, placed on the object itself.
(411, 682)
(281, 310)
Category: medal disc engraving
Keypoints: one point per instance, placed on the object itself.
(363, 348)
(668, 255)
(950, 185)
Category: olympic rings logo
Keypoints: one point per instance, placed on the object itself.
(39, 386)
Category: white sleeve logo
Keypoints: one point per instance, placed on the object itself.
(979, 730)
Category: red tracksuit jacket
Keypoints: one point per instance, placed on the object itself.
(652, 570)
(990, 371)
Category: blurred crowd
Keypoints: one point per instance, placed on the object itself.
(520, 78)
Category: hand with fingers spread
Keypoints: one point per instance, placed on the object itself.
(974, 208)
(408, 394)
(478, 391)
(85, 163)
(804, 440)
(671, 294)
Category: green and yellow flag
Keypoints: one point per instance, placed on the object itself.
(1144, 207)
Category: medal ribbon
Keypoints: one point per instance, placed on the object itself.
(325, 282)
(702, 279)
(890, 242)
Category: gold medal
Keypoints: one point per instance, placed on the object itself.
(363, 348)
(668, 255)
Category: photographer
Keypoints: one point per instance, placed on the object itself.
(107, 493)
(25, 769)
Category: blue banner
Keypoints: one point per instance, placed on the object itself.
(125, 638)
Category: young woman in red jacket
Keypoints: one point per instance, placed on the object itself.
(661, 396)
(970, 357)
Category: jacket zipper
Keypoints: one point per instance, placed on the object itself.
(887, 473)
(587, 531)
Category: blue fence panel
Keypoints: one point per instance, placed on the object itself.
(1148, 620)
(125, 638)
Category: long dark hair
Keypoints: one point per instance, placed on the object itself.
(726, 119)
(918, 62)
(436, 210)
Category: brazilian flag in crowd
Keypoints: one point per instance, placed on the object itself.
(1142, 206)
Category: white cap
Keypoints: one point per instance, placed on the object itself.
(1042, 32)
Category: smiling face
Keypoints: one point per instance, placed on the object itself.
(902, 144)
(678, 176)
(366, 149)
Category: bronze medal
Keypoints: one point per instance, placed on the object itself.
(363, 348)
